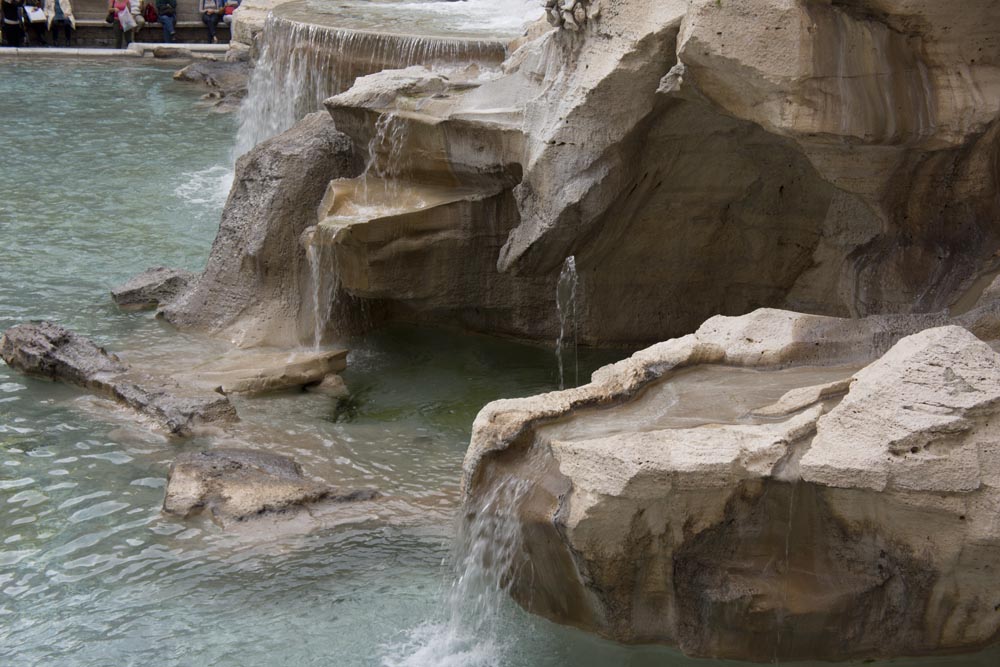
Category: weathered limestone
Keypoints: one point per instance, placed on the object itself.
(239, 484)
(255, 288)
(261, 371)
(249, 18)
(227, 80)
(851, 517)
(151, 288)
(835, 158)
(48, 350)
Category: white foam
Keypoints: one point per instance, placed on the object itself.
(206, 186)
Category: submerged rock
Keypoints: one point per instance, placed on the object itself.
(228, 79)
(239, 484)
(53, 352)
(151, 288)
(853, 516)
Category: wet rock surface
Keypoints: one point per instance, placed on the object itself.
(47, 350)
(239, 484)
(255, 287)
(227, 80)
(151, 288)
(848, 518)
(262, 370)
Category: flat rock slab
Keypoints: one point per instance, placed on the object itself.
(47, 350)
(239, 484)
(251, 372)
(151, 288)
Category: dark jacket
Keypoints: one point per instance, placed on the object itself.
(166, 7)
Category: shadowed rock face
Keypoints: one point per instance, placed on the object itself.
(48, 350)
(850, 517)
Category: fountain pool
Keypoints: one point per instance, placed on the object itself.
(91, 574)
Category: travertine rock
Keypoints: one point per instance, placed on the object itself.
(256, 281)
(228, 80)
(240, 484)
(835, 158)
(854, 517)
(151, 288)
(48, 350)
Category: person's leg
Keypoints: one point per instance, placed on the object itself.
(119, 34)
(127, 38)
(168, 28)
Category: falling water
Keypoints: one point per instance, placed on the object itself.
(324, 282)
(486, 561)
(301, 64)
(386, 160)
(566, 307)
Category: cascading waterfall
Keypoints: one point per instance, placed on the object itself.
(489, 553)
(301, 64)
(566, 307)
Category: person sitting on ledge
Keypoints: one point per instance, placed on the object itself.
(59, 14)
(211, 14)
(227, 11)
(13, 23)
(167, 11)
(35, 22)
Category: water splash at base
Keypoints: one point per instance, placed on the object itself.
(487, 560)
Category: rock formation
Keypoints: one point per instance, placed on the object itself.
(255, 287)
(53, 352)
(699, 159)
(850, 516)
(672, 138)
(240, 484)
(151, 288)
(227, 81)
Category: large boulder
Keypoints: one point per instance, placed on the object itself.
(725, 494)
(47, 350)
(239, 484)
(255, 288)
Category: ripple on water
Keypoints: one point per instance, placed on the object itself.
(98, 510)
(6, 484)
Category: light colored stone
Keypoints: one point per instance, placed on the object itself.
(860, 508)
(262, 370)
(236, 485)
(151, 288)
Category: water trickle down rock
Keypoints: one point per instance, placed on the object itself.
(566, 306)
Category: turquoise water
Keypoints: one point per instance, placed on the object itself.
(117, 168)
